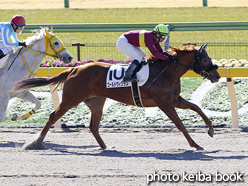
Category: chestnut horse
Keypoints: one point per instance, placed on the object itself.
(88, 83)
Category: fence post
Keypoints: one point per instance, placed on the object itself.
(66, 3)
(167, 41)
(56, 102)
(205, 2)
(233, 100)
(78, 45)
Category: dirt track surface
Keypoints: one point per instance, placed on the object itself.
(74, 158)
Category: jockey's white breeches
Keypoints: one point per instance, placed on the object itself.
(6, 50)
(130, 50)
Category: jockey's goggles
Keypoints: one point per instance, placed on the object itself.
(164, 37)
(19, 29)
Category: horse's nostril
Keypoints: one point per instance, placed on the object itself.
(70, 58)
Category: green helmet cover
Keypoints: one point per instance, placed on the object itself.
(161, 29)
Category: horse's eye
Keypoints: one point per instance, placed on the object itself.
(205, 60)
(56, 44)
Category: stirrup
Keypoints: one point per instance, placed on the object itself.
(1, 54)
(129, 79)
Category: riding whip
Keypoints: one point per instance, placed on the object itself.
(15, 58)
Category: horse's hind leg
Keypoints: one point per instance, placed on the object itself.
(184, 104)
(96, 105)
(65, 105)
(27, 96)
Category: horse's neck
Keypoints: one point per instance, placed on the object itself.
(34, 60)
(184, 60)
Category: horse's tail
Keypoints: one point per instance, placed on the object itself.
(39, 82)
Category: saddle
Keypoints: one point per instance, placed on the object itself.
(117, 72)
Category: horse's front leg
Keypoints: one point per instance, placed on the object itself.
(184, 104)
(27, 96)
(168, 108)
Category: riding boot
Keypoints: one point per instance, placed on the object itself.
(130, 74)
(1, 54)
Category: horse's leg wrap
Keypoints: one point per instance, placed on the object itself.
(27, 96)
(28, 114)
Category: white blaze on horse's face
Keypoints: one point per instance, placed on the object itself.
(56, 48)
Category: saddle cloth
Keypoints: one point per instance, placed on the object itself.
(4, 61)
(117, 72)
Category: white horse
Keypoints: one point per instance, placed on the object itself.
(23, 63)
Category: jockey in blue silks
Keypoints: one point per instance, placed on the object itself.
(16, 25)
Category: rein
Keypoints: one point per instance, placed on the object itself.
(197, 68)
(35, 52)
(158, 75)
(50, 50)
(163, 71)
(24, 61)
(27, 65)
(45, 52)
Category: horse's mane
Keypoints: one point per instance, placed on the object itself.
(186, 48)
(175, 50)
(39, 33)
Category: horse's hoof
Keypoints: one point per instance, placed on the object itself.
(200, 148)
(211, 133)
(14, 118)
(103, 147)
(34, 146)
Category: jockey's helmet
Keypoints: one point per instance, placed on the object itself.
(161, 29)
(19, 22)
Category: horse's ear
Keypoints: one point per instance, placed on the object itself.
(200, 50)
(47, 33)
(203, 47)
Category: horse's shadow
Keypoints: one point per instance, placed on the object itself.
(181, 155)
(52, 146)
(10, 144)
(97, 152)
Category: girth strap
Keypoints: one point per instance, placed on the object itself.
(136, 94)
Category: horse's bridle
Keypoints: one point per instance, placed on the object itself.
(49, 37)
(51, 46)
(197, 67)
(49, 43)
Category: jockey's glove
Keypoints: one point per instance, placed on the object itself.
(22, 44)
(171, 58)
